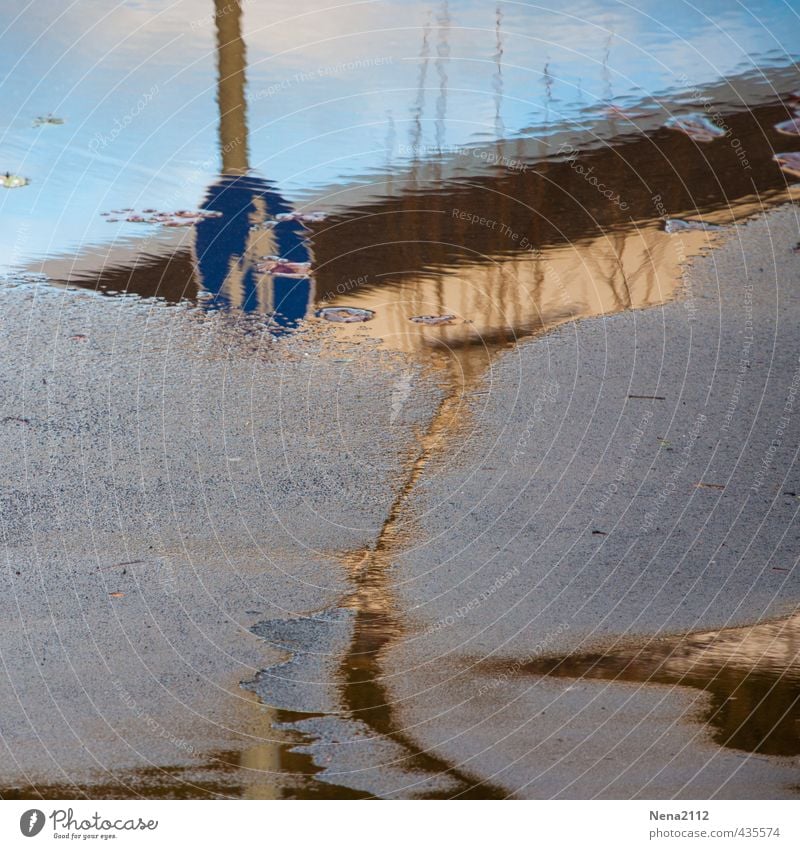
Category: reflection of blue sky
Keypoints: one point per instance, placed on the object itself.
(331, 94)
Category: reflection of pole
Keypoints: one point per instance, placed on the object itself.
(230, 88)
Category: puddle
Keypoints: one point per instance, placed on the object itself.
(377, 623)
(553, 216)
(508, 255)
(752, 677)
(474, 204)
(268, 767)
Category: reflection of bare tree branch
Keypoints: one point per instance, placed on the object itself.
(419, 104)
(442, 58)
(497, 80)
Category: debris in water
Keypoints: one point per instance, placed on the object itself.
(792, 98)
(788, 162)
(13, 181)
(433, 320)
(675, 225)
(283, 267)
(181, 218)
(345, 315)
(789, 128)
(302, 217)
(51, 119)
(696, 126)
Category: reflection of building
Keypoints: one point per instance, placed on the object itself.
(752, 675)
(515, 252)
(499, 299)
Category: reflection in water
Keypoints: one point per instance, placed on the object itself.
(751, 674)
(377, 621)
(264, 766)
(415, 130)
(229, 248)
(442, 59)
(511, 251)
(231, 82)
(497, 79)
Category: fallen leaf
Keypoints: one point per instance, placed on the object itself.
(788, 162)
(675, 225)
(13, 181)
(790, 127)
(433, 320)
(345, 315)
(697, 126)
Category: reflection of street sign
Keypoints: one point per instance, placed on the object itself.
(229, 249)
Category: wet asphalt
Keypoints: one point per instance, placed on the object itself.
(177, 488)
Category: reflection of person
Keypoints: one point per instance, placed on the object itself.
(230, 246)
